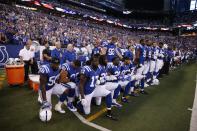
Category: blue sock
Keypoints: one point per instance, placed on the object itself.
(142, 83)
(71, 93)
(127, 88)
(108, 100)
(63, 97)
(116, 92)
(148, 75)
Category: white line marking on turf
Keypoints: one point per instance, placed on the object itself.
(189, 109)
(83, 120)
(193, 126)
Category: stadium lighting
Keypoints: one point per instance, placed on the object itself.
(37, 3)
(27, 0)
(47, 6)
(127, 12)
(59, 9)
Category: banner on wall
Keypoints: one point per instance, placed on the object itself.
(12, 51)
(8, 51)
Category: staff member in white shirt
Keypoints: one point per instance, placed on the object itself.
(26, 56)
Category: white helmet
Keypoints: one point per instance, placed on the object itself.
(45, 115)
(156, 82)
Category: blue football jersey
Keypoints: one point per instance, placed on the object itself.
(111, 51)
(161, 53)
(69, 56)
(96, 51)
(129, 54)
(51, 75)
(72, 72)
(149, 53)
(58, 53)
(102, 73)
(125, 69)
(154, 53)
(142, 53)
(114, 70)
(91, 76)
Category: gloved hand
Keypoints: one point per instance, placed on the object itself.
(46, 104)
(127, 78)
(84, 102)
(113, 78)
(102, 80)
(98, 82)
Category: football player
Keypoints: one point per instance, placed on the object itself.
(88, 89)
(153, 60)
(159, 62)
(50, 75)
(72, 69)
(107, 83)
(97, 48)
(139, 61)
(111, 49)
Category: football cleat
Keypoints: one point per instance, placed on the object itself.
(144, 92)
(80, 107)
(116, 104)
(125, 100)
(134, 94)
(111, 116)
(146, 85)
(59, 109)
(39, 100)
(71, 107)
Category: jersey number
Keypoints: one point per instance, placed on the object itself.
(111, 52)
(52, 81)
(92, 81)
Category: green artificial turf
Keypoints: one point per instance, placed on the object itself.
(164, 109)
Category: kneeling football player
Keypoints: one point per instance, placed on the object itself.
(88, 90)
(49, 75)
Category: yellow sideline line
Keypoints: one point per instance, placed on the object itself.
(99, 113)
(96, 115)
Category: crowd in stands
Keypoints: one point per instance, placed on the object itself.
(18, 25)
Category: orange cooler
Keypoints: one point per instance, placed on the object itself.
(15, 74)
(34, 82)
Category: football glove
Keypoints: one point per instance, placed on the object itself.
(84, 102)
(102, 80)
(98, 82)
(46, 104)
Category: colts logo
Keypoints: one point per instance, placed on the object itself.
(3, 55)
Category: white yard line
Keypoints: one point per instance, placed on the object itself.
(193, 123)
(83, 120)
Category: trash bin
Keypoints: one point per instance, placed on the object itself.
(15, 74)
